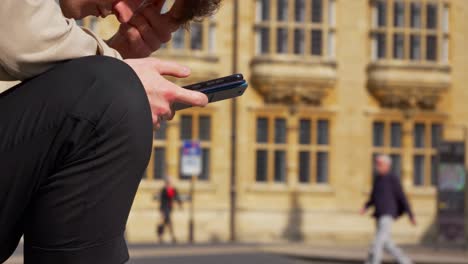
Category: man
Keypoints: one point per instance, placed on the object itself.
(168, 195)
(390, 202)
(77, 132)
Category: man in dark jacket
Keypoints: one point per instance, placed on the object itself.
(167, 197)
(389, 201)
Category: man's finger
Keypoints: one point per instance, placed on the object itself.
(189, 97)
(156, 20)
(135, 39)
(171, 68)
(125, 9)
(146, 31)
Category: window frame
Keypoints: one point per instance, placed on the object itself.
(204, 144)
(327, 27)
(313, 147)
(208, 26)
(389, 30)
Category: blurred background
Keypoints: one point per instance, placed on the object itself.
(332, 84)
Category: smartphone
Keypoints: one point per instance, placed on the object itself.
(218, 89)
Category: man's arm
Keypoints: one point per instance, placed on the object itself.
(402, 198)
(35, 36)
(371, 200)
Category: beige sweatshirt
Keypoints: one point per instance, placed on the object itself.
(35, 35)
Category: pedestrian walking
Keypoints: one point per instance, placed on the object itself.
(168, 196)
(389, 202)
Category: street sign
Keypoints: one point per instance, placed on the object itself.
(451, 191)
(191, 163)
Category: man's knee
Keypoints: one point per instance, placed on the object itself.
(115, 101)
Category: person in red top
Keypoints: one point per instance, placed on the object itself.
(167, 197)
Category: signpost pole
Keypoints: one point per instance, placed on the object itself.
(192, 209)
(191, 167)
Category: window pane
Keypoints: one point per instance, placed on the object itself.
(381, 45)
(196, 36)
(381, 8)
(161, 133)
(205, 175)
(316, 42)
(399, 14)
(436, 132)
(304, 167)
(186, 127)
(331, 44)
(282, 40)
(431, 16)
(263, 38)
(212, 39)
(331, 13)
(396, 165)
(299, 10)
(263, 10)
(262, 160)
(322, 167)
(299, 44)
(178, 39)
(446, 20)
(262, 130)
(322, 132)
(445, 50)
(159, 163)
(431, 50)
(419, 135)
(280, 130)
(317, 11)
(282, 10)
(434, 172)
(415, 15)
(415, 47)
(280, 166)
(418, 170)
(398, 46)
(305, 131)
(396, 135)
(378, 134)
(204, 128)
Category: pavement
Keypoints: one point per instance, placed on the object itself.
(273, 254)
(358, 254)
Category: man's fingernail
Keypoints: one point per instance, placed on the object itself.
(185, 70)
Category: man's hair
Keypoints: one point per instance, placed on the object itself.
(198, 9)
(384, 158)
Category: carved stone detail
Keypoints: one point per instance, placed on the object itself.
(293, 82)
(407, 87)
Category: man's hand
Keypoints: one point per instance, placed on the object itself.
(143, 29)
(161, 92)
(363, 211)
(413, 221)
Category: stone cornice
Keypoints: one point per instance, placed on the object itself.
(293, 81)
(408, 86)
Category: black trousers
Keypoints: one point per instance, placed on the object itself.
(74, 143)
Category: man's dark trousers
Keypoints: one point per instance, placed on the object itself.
(74, 143)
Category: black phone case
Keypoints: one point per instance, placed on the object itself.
(218, 91)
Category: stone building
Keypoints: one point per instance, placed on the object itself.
(332, 83)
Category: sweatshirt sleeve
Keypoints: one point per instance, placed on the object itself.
(35, 36)
(371, 200)
(403, 201)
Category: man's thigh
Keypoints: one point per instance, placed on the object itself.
(73, 142)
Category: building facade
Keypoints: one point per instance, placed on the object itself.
(332, 84)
